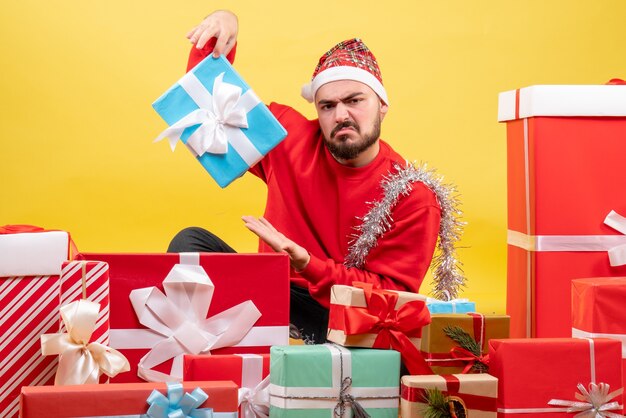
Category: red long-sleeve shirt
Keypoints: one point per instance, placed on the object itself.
(317, 202)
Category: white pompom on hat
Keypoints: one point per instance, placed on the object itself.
(348, 60)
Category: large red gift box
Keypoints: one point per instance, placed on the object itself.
(30, 265)
(248, 371)
(262, 279)
(532, 372)
(565, 149)
(127, 399)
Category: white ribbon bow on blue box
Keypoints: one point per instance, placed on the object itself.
(220, 119)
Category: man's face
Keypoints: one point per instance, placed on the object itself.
(350, 114)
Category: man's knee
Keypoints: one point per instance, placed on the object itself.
(187, 240)
(196, 239)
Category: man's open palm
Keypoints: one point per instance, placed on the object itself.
(271, 236)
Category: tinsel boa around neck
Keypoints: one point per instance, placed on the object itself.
(447, 273)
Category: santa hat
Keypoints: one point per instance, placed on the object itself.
(348, 60)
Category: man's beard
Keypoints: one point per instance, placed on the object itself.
(349, 151)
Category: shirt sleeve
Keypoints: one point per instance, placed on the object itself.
(196, 55)
(398, 261)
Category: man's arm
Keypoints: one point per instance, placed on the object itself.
(399, 260)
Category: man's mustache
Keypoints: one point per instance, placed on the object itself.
(344, 124)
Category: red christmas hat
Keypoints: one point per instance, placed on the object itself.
(348, 60)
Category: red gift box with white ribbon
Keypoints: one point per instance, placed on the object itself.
(565, 169)
(164, 306)
(249, 371)
(598, 310)
(549, 377)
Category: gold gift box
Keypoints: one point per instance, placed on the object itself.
(436, 345)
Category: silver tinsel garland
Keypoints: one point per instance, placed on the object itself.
(447, 273)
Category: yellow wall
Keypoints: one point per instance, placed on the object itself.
(78, 77)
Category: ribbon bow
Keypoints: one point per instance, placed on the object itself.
(255, 402)
(346, 399)
(593, 403)
(393, 327)
(222, 114)
(81, 362)
(617, 255)
(179, 317)
(177, 403)
(468, 357)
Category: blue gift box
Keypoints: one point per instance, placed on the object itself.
(220, 119)
(453, 306)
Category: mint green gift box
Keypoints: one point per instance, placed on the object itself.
(306, 381)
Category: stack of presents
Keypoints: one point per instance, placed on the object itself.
(207, 335)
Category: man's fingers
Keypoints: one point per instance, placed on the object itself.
(206, 35)
(220, 46)
(191, 32)
(257, 227)
(267, 224)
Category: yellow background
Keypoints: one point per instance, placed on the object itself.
(78, 78)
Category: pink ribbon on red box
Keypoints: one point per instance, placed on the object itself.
(179, 317)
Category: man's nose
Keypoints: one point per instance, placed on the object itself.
(341, 113)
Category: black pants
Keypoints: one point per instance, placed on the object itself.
(306, 314)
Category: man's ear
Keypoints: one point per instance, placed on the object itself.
(383, 109)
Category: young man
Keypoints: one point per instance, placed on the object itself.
(341, 202)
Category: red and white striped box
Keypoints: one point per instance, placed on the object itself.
(29, 306)
(87, 280)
